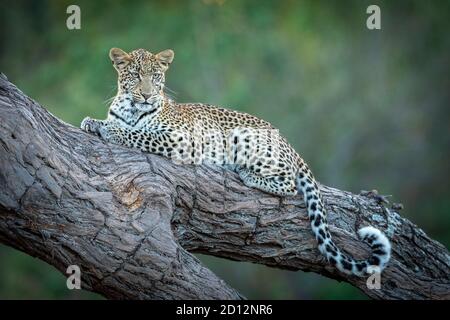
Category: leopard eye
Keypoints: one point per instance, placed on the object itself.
(135, 74)
(157, 76)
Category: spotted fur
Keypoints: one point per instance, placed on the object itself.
(142, 116)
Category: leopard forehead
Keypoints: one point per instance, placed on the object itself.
(144, 61)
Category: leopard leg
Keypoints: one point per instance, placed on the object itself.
(107, 130)
(278, 185)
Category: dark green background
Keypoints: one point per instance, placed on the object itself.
(366, 109)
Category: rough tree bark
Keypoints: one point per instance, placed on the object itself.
(130, 219)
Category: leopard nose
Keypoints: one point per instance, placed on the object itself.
(146, 95)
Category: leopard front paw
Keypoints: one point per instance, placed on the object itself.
(90, 125)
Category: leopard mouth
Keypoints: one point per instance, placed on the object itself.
(152, 101)
(140, 100)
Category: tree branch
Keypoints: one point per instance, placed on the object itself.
(128, 219)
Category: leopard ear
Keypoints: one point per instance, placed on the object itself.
(119, 58)
(165, 57)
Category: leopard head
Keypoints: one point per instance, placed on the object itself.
(141, 74)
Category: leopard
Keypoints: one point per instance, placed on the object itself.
(143, 116)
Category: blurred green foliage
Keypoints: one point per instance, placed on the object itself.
(367, 109)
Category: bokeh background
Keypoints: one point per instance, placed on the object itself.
(367, 109)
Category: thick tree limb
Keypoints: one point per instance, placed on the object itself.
(127, 218)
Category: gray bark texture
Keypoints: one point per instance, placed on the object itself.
(131, 220)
